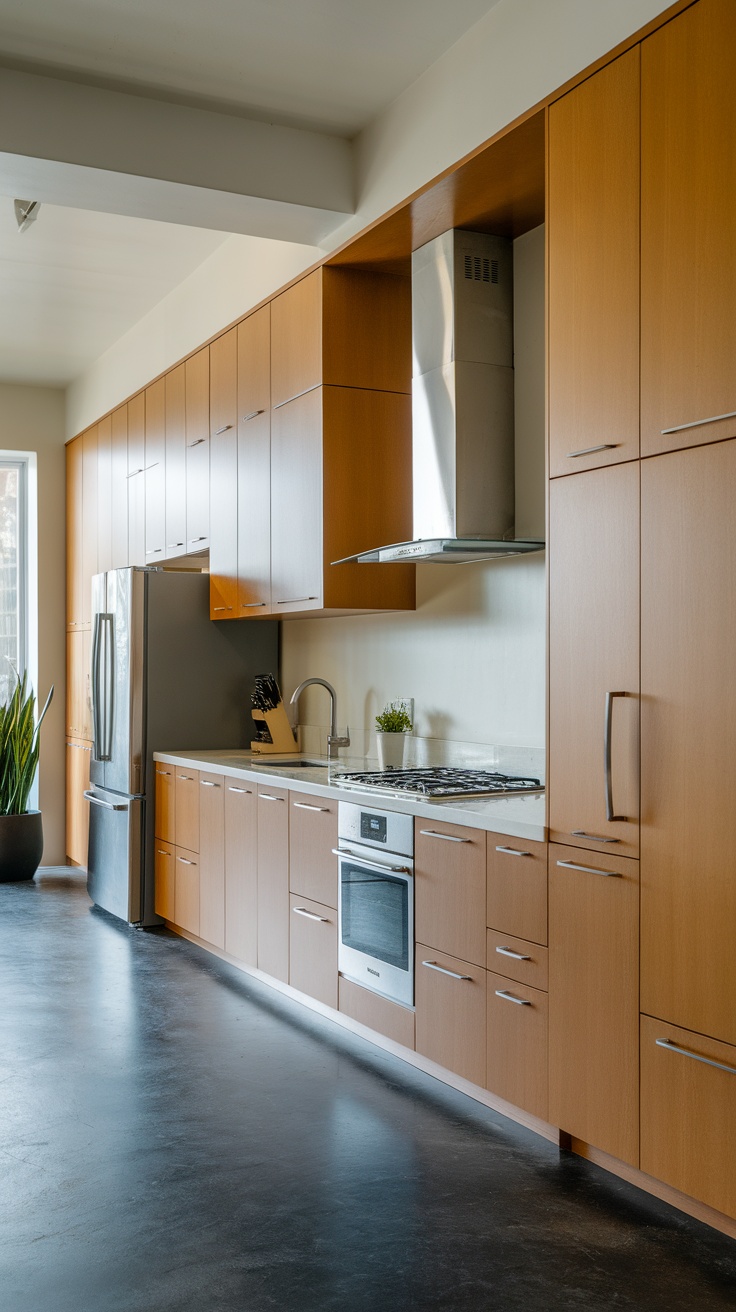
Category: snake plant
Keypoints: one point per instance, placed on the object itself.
(19, 744)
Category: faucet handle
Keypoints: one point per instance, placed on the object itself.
(336, 741)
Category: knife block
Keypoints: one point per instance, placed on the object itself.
(281, 737)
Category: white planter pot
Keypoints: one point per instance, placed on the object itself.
(391, 748)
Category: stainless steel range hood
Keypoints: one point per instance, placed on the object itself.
(462, 404)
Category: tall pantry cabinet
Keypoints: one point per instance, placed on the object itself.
(672, 530)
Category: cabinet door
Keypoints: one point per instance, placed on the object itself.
(186, 890)
(254, 464)
(137, 480)
(517, 1044)
(516, 900)
(313, 836)
(241, 872)
(593, 653)
(176, 472)
(688, 293)
(450, 998)
(688, 1113)
(313, 950)
(77, 809)
(104, 495)
(594, 999)
(212, 859)
(450, 889)
(164, 868)
(273, 882)
(186, 795)
(78, 704)
(119, 472)
(296, 504)
(165, 802)
(74, 515)
(155, 469)
(593, 231)
(224, 476)
(376, 1013)
(296, 339)
(197, 387)
(688, 900)
(89, 520)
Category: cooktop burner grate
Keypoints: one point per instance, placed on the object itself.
(440, 781)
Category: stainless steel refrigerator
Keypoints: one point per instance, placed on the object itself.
(163, 677)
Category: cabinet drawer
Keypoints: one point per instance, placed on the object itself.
(186, 890)
(164, 867)
(186, 795)
(517, 887)
(313, 950)
(312, 837)
(450, 997)
(377, 1013)
(688, 1113)
(517, 1044)
(165, 805)
(517, 959)
(450, 889)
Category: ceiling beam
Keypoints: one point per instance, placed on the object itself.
(67, 143)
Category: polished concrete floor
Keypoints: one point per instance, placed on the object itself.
(174, 1136)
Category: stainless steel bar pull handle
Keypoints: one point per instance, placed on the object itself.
(292, 601)
(696, 423)
(202, 538)
(95, 681)
(447, 838)
(607, 749)
(160, 852)
(591, 450)
(595, 838)
(171, 545)
(166, 772)
(269, 797)
(512, 851)
(589, 870)
(216, 608)
(185, 862)
(508, 952)
(432, 965)
(306, 806)
(371, 865)
(247, 605)
(224, 429)
(107, 806)
(252, 415)
(206, 784)
(696, 1056)
(231, 789)
(509, 997)
(198, 442)
(309, 915)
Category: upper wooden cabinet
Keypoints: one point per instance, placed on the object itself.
(155, 471)
(137, 480)
(90, 520)
(104, 495)
(688, 238)
(593, 784)
(119, 510)
(74, 519)
(254, 465)
(176, 465)
(197, 392)
(593, 233)
(224, 476)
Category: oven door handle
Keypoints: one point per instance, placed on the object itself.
(372, 865)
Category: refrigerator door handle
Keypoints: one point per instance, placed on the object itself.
(107, 806)
(109, 623)
(95, 682)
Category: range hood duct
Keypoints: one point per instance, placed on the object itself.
(462, 404)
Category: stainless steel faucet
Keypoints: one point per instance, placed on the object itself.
(333, 742)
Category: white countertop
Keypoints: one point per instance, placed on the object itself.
(521, 815)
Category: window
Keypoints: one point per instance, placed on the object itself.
(13, 568)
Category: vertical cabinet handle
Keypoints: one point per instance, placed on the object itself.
(607, 751)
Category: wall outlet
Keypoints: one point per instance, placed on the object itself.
(407, 704)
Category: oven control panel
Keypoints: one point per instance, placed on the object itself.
(388, 830)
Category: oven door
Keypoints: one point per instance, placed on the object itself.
(376, 922)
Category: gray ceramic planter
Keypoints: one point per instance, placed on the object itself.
(21, 845)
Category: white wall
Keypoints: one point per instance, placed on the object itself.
(472, 655)
(32, 419)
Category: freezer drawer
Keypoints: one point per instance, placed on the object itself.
(115, 860)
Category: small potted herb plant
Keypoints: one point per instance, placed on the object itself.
(392, 729)
(21, 830)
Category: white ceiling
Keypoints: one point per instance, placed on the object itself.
(326, 64)
(74, 282)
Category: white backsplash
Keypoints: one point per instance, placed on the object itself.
(362, 753)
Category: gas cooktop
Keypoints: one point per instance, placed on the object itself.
(438, 781)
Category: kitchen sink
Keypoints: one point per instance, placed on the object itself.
(293, 764)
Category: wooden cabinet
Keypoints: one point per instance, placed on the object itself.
(376, 1013)
(254, 465)
(450, 997)
(517, 958)
(313, 950)
(77, 808)
(593, 232)
(241, 871)
(593, 654)
(296, 339)
(273, 882)
(212, 859)
(296, 505)
(516, 1034)
(197, 406)
(224, 476)
(688, 1113)
(74, 514)
(137, 480)
(594, 999)
(89, 521)
(164, 871)
(119, 480)
(78, 705)
(155, 472)
(688, 293)
(312, 838)
(165, 802)
(186, 796)
(516, 901)
(688, 897)
(104, 495)
(186, 890)
(176, 471)
(450, 889)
